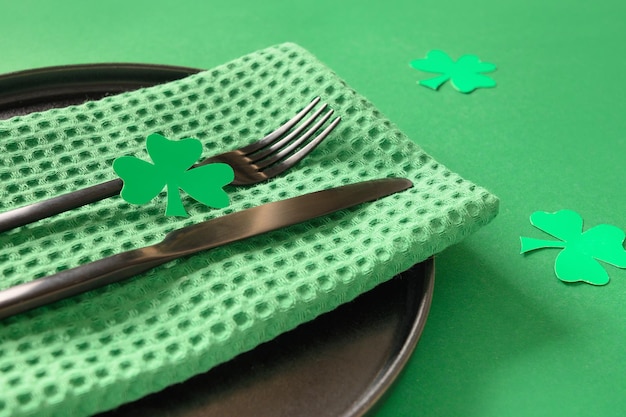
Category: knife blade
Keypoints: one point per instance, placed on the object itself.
(192, 239)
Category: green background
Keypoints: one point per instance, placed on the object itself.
(504, 337)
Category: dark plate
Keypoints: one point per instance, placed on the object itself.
(340, 364)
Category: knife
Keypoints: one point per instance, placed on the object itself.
(191, 239)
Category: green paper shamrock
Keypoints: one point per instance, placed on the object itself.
(465, 73)
(581, 250)
(143, 181)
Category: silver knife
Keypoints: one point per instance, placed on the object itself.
(191, 239)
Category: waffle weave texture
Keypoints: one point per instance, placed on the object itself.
(98, 350)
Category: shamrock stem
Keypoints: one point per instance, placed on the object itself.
(174, 203)
(436, 82)
(529, 243)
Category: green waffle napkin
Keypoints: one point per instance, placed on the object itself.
(119, 343)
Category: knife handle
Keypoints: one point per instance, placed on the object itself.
(64, 284)
(59, 204)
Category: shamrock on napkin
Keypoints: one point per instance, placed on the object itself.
(578, 261)
(172, 159)
(465, 73)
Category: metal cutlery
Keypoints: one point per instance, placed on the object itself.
(192, 239)
(254, 163)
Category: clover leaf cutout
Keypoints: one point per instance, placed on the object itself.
(465, 74)
(172, 159)
(578, 261)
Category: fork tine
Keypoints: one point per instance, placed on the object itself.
(276, 134)
(262, 163)
(273, 147)
(304, 151)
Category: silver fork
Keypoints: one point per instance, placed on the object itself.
(254, 163)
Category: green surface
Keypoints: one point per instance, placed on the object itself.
(505, 337)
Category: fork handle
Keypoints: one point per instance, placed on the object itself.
(55, 205)
(64, 284)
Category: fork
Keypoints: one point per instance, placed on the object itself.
(254, 163)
